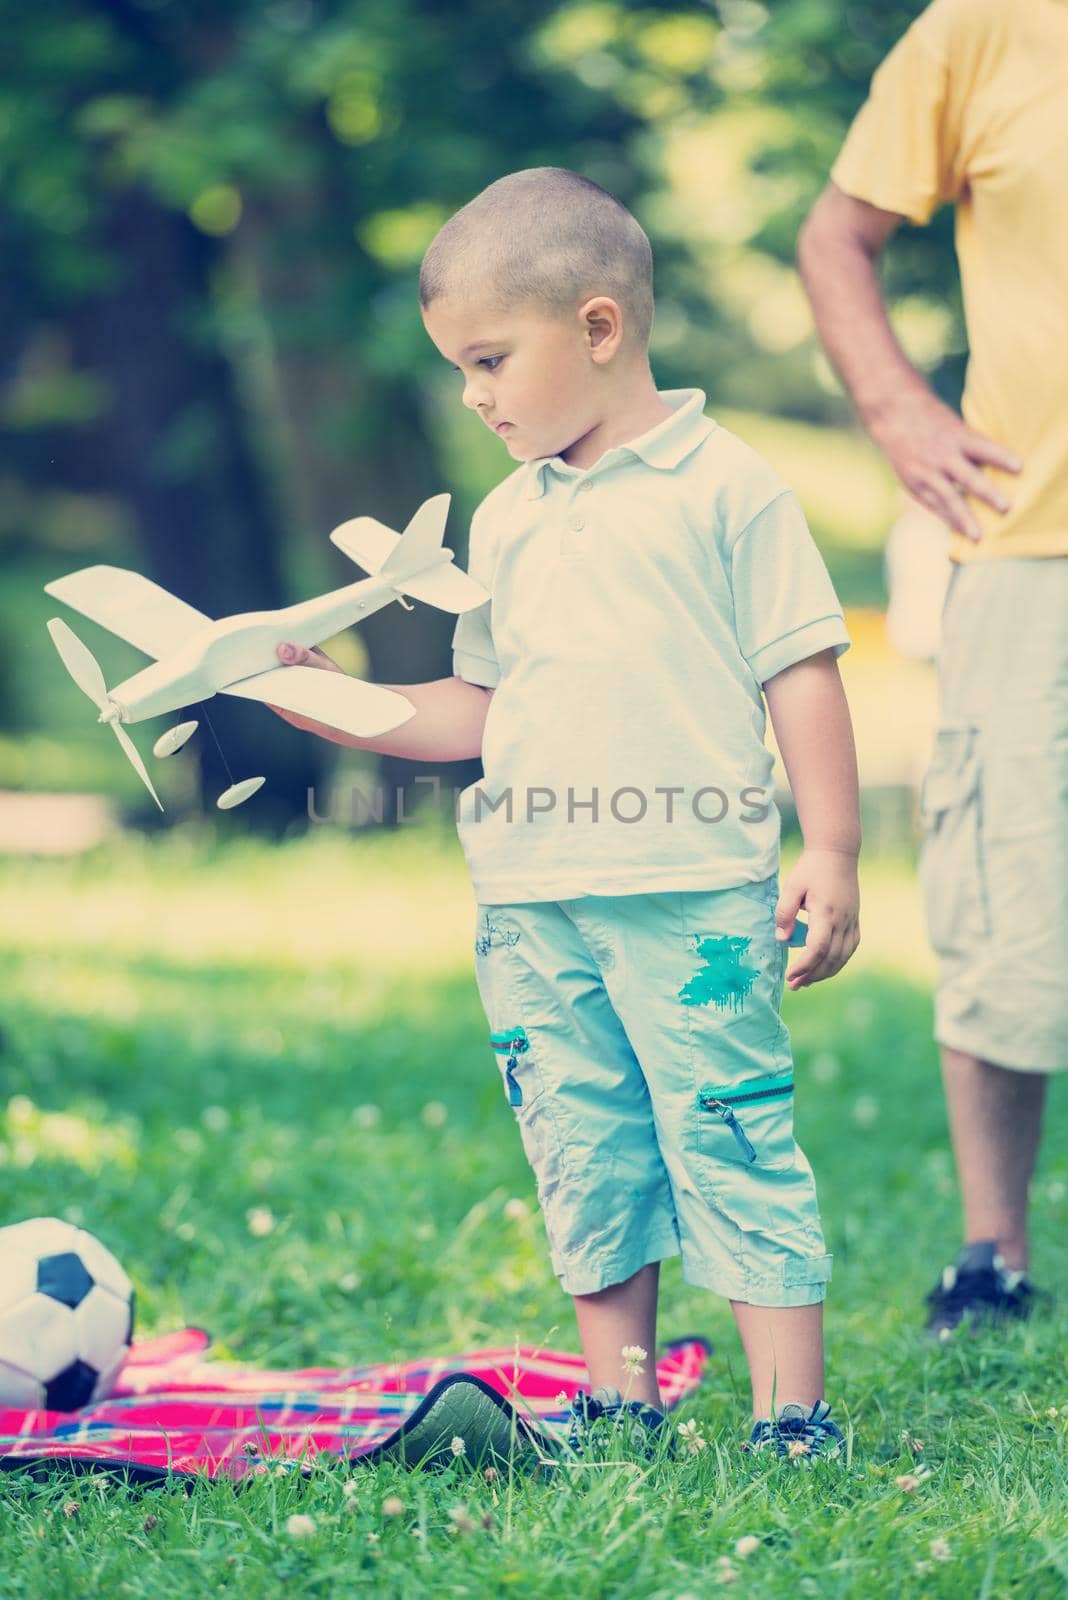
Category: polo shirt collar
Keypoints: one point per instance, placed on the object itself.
(662, 447)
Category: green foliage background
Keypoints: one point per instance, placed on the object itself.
(212, 218)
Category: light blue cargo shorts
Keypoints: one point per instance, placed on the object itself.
(640, 1045)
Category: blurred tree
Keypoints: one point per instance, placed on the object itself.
(814, 59)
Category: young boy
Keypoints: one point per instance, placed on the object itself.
(649, 576)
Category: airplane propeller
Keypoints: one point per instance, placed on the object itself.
(85, 670)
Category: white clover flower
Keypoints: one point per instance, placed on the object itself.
(633, 1356)
(457, 1446)
(367, 1116)
(563, 1398)
(692, 1437)
(726, 1571)
(260, 1221)
(435, 1114)
(940, 1550)
(746, 1546)
(393, 1506)
(349, 1281)
(350, 1488)
(300, 1526)
(462, 1520)
(516, 1210)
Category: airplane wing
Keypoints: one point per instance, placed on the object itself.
(135, 608)
(362, 709)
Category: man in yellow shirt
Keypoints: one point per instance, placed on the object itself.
(971, 107)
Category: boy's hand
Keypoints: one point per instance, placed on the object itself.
(295, 655)
(825, 883)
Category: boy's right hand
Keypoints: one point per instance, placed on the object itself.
(297, 655)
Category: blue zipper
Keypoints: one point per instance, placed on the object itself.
(515, 1042)
(722, 1100)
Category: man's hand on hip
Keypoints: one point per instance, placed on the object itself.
(940, 459)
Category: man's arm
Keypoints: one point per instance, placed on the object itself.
(933, 451)
(449, 715)
(814, 733)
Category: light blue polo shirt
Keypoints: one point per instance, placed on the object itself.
(636, 608)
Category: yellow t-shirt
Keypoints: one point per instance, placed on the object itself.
(971, 106)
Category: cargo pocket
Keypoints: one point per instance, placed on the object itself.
(750, 1124)
(952, 864)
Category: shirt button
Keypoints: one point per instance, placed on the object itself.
(576, 523)
(583, 486)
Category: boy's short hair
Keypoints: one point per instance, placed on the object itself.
(548, 235)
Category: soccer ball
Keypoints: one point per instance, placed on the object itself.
(66, 1316)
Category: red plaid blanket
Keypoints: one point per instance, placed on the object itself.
(173, 1413)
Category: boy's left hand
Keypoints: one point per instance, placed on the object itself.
(825, 883)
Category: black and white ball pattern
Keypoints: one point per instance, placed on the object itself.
(66, 1316)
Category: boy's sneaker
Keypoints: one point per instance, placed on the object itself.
(599, 1421)
(799, 1432)
(979, 1286)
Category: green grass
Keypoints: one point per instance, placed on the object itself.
(190, 1032)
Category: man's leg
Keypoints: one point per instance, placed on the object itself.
(995, 1119)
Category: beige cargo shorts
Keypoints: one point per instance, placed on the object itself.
(993, 863)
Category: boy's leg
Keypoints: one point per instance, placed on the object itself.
(611, 1319)
(699, 995)
(784, 1348)
(995, 1118)
(582, 1105)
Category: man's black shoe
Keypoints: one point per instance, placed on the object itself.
(978, 1286)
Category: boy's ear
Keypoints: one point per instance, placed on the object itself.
(602, 327)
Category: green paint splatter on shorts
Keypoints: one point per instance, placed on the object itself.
(723, 981)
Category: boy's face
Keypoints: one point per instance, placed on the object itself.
(528, 374)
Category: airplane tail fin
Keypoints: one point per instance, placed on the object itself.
(414, 562)
(420, 545)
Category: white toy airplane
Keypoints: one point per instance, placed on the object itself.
(195, 658)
